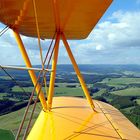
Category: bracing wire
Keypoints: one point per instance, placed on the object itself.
(13, 79)
(29, 123)
(32, 113)
(31, 116)
(39, 42)
(4, 30)
(38, 32)
(110, 122)
(50, 46)
(27, 108)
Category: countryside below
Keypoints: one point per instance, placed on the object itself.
(118, 85)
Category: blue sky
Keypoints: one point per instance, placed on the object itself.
(115, 40)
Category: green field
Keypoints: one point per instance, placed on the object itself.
(67, 84)
(27, 89)
(66, 91)
(99, 93)
(5, 77)
(138, 101)
(127, 110)
(6, 135)
(18, 89)
(127, 92)
(120, 81)
(2, 95)
(131, 73)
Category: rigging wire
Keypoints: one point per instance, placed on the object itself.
(12, 78)
(116, 130)
(39, 42)
(4, 30)
(32, 113)
(27, 108)
(38, 32)
(50, 46)
(31, 97)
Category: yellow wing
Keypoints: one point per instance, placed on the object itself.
(76, 18)
(72, 118)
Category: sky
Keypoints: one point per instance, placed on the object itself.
(114, 40)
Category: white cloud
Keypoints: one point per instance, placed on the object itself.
(99, 47)
(118, 34)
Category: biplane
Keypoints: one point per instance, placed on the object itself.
(62, 118)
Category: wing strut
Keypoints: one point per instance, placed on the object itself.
(31, 72)
(75, 66)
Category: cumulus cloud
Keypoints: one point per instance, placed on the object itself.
(118, 34)
(121, 31)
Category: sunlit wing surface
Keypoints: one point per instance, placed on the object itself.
(75, 18)
(72, 118)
